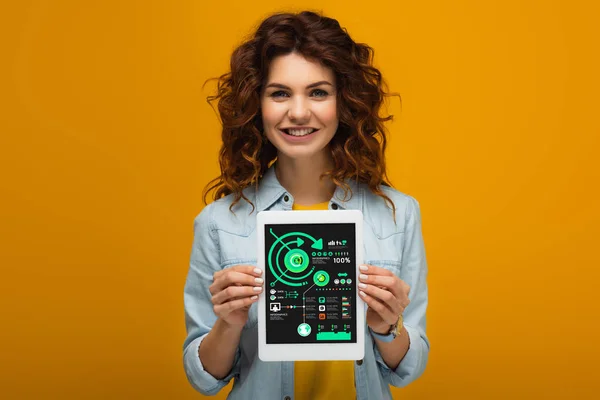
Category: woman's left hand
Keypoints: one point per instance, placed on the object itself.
(385, 294)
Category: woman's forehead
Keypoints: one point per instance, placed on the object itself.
(295, 70)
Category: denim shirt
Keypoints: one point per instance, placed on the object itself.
(223, 239)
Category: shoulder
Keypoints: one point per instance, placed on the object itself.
(401, 200)
(379, 214)
(220, 216)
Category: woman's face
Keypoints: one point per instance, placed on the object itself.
(299, 106)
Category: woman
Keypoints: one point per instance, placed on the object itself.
(301, 130)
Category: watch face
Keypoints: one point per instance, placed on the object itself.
(398, 329)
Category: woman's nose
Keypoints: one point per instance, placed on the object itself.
(299, 110)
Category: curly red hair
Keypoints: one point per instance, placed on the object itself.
(359, 144)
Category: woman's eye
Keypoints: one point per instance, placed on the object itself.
(316, 93)
(320, 92)
(278, 93)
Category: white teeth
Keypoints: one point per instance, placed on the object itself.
(300, 132)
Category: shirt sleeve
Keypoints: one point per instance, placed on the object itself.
(414, 272)
(199, 315)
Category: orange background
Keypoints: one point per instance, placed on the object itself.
(106, 142)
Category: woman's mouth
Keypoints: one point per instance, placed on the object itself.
(299, 132)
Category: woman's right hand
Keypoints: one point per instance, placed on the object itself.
(233, 291)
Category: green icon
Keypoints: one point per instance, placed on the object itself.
(314, 253)
(296, 260)
(321, 300)
(343, 281)
(319, 253)
(321, 278)
(330, 253)
(304, 329)
(318, 245)
(273, 297)
(343, 242)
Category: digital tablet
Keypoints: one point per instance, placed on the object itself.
(310, 308)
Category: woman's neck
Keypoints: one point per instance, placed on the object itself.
(301, 178)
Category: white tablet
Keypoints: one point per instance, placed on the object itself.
(310, 308)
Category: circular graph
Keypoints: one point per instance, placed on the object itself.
(296, 260)
(321, 278)
(289, 260)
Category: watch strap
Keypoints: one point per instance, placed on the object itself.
(386, 338)
(394, 331)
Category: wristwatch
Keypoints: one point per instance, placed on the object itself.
(394, 331)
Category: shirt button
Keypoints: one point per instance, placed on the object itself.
(334, 206)
(359, 362)
(286, 198)
(287, 398)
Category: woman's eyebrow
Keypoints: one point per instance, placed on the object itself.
(279, 85)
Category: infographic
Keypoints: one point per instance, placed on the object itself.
(310, 283)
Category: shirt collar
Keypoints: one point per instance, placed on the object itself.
(270, 191)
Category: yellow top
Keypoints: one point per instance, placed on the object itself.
(323, 380)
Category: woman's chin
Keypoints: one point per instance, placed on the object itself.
(302, 152)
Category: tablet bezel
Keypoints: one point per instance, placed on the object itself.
(310, 351)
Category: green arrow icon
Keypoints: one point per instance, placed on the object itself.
(273, 265)
(318, 245)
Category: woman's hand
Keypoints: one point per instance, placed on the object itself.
(385, 294)
(233, 291)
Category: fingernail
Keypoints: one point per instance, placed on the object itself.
(363, 268)
(363, 277)
(258, 280)
(362, 293)
(257, 288)
(253, 297)
(258, 271)
(361, 285)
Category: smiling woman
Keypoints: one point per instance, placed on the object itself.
(306, 65)
(299, 107)
(281, 95)
(302, 130)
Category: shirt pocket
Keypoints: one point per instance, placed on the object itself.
(384, 252)
(393, 266)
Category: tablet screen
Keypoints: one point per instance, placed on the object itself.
(310, 283)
